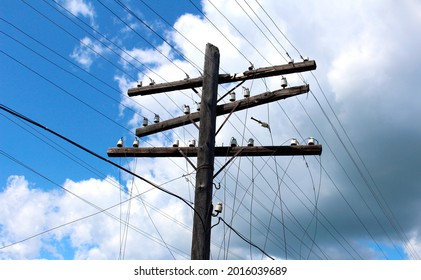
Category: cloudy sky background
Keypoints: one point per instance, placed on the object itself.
(360, 200)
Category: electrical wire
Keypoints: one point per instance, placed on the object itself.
(216, 27)
(101, 210)
(379, 198)
(140, 35)
(71, 73)
(271, 33)
(67, 32)
(261, 203)
(149, 216)
(91, 168)
(67, 71)
(244, 238)
(80, 41)
(177, 31)
(279, 191)
(258, 27)
(64, 90)
(323, 168)
(161, 37)
(189, 204)
(319, 104)
(277, 27)
(111, 49)
(239, 32)
(123, 51)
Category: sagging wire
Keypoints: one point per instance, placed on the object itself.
(16, 114)
(242, 237)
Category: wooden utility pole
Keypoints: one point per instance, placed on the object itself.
(206, 150)
(205, 157)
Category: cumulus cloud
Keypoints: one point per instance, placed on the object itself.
(87, 51)
(358, 49)
(80, 7)
(79, 224)
(329, 207)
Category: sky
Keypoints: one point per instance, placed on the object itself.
(67, 64)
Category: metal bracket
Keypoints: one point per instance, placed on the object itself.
(226, 119)
(228, 162)
(188, 160)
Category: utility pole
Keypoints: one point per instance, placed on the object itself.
(206, 150)
(205, 157)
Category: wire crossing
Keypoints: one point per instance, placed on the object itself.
(206, 150)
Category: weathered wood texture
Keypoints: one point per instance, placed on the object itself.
(201, 236)
(219, 151)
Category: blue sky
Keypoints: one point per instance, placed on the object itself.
(359, 200)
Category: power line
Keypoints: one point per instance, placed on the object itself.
(140, 35)
(260, 29)
(125, 52)
(161, 37)
(323, 168)
(216, 27)
(239, 32)
(244, 238)
(4, 108)
(67, 71)
(70, 73)
(277, 27)
(80, 41)
(64, 90)
(384, 206)
(96, 31)
(176, 30)
(380, 200)
(101, 210)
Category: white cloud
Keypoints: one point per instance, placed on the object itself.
(151, 57)
(414, 245)
(361, 48)
(80, 7)
(26, 211)
(87, 51)
(357, 46)
(23, 212)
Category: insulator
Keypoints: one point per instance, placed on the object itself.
(192, 143)
(294, 142)
(233, 142)
(218, 207)
(176, 143)
(250, 143)
(198, 106)
(310, 141)
(246, 92)
(156, 119)
(120, 142)
(136, 143)
(186, 109)
(284, 82)
(145, 121)
(232, 96)
(139, 83)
